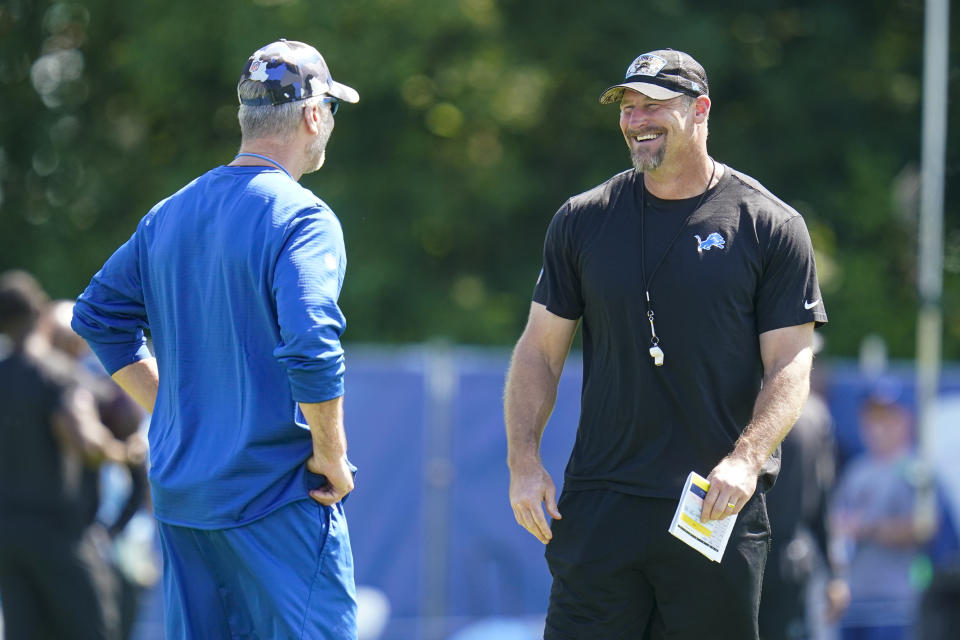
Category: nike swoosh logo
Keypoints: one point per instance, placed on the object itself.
(811, 305)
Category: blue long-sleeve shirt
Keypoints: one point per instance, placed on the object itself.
(236, 277)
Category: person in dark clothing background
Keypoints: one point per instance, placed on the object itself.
(797, 506)
(117, 411)
(114, 495)
(53, 582)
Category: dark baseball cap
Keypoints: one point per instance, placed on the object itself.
(291, 70)
(661, 75)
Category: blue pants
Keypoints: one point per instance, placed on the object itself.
(286, 575)
(892, 632)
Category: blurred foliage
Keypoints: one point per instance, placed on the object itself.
(477, 119)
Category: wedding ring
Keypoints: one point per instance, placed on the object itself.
(731, 506)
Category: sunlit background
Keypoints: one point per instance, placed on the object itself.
(477, 119)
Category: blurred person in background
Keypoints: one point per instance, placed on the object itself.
(54, 583)
(711, 385)
(117, 492)
(795, 598)
(879, 544)
(117, 411)
(236, 277)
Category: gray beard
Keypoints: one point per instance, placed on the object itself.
(318, 152)
(647, 162)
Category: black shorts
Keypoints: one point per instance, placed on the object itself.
(619, 575)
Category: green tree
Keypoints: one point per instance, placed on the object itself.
(477, 119)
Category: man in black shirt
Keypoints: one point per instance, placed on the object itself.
(698, 295)
(53, 582)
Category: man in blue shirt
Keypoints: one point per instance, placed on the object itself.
(236, 277)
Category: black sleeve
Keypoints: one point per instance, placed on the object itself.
(55, 383)
(789, 293)
(558, 287)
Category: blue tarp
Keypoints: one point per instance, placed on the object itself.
(430, 519)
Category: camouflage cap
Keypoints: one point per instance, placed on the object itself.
(291, 70)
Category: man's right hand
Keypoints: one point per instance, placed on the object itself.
(339, 479)
(531, 487)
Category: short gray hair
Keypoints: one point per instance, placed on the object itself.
(271, 120)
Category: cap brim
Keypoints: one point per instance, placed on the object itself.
(656, 92)
(343, 92)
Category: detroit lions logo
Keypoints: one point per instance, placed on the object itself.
(713, 240)
(646, 65)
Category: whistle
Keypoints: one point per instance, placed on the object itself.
(657, 354)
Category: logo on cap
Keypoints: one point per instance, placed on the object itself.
(258, 70)
(646, 65)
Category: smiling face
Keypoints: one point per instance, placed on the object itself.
(658, 131)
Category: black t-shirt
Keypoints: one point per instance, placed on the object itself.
(741, 265)
(36, 478)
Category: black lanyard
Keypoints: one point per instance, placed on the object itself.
(655, 351)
